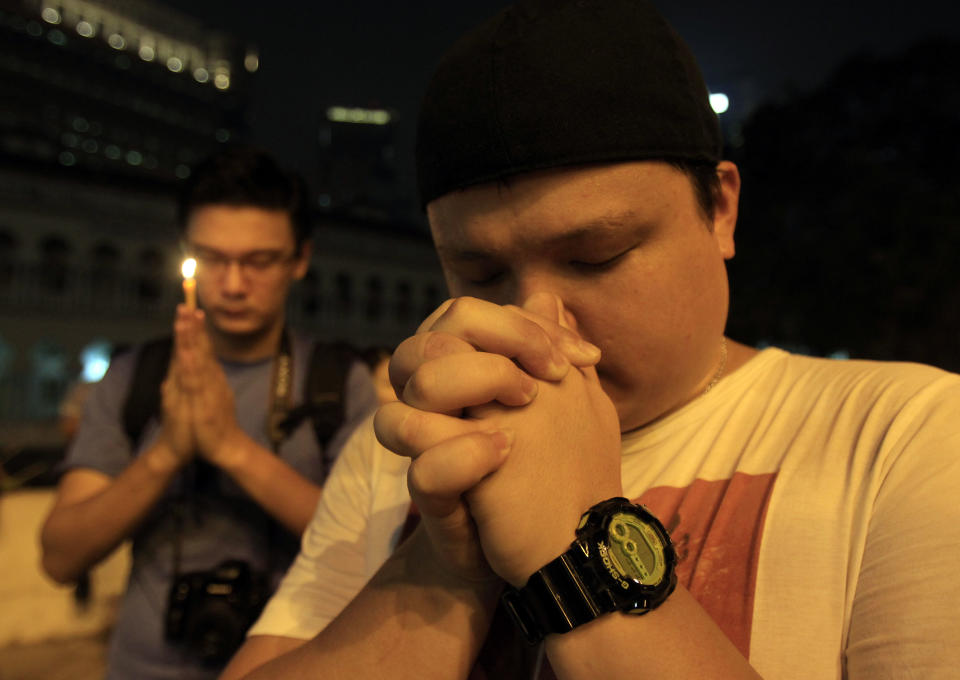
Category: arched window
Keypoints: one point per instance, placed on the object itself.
(374, 301)
(49, 377)
(9, 244)
(150, 266)
(54, 263)
(344, 286)
(11, 398)
(6, 357)
(431, 300)
(105, 258)
(403, 304)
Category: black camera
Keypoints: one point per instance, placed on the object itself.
(209, 612)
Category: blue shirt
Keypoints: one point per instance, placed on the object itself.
(219, 521)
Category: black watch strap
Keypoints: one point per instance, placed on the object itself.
(556, 598)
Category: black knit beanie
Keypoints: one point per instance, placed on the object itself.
(547, 84)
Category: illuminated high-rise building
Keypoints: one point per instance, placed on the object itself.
(117, 87)
(358, 161)
(104, 105)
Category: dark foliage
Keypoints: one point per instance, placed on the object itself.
(849, 235)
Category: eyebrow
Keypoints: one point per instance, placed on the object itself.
(199, 247)
(591, 229)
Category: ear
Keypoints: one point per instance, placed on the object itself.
(726, 208)
(302, 263)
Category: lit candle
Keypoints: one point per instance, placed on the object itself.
(188, 268)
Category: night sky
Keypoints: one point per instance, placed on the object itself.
(381, 52)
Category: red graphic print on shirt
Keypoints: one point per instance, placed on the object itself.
(716, 528)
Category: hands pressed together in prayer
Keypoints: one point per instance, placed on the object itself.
(511, 434)
(197, 402)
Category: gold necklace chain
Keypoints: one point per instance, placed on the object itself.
(722, 367)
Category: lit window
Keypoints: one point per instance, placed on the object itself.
(116, 41)
(85, 28)
(341, 114)
(146, 52)
(201, 75)
(175, 64)
(251, 62)
(221, 81)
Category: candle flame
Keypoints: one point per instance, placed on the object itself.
(188, 268)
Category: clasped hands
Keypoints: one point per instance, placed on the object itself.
(197, 402)
(510, 433)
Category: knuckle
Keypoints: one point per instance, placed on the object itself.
(419, 478)
(398, 427)
(421, 385)
(476, 446)
(462, 306)
(533, 335)
(438, 344)
(504, 371)
(410, 427)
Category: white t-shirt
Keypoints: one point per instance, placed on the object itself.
(813, 504)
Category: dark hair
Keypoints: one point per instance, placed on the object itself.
(705, 181)
(246, 176)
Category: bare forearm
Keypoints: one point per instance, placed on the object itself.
(677, 641)
(78, 534)
(283, 492)
(409, 618)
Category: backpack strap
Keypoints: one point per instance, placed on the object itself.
(143, 397)
(323, 395)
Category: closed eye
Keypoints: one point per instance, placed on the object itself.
(599, 265)
(485, 280)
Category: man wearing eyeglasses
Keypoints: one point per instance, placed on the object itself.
(213, 491)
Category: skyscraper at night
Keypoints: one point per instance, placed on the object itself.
(106, 105)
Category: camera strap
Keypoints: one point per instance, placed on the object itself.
(282, 386)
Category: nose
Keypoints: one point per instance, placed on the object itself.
(234, 282)
(539, 288)
(528, 282)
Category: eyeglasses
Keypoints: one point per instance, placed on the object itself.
(256, 263)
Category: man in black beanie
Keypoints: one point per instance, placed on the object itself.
(582, 444)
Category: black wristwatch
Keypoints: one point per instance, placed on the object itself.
(622, 560)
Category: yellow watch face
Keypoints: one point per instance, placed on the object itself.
(636, 550)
